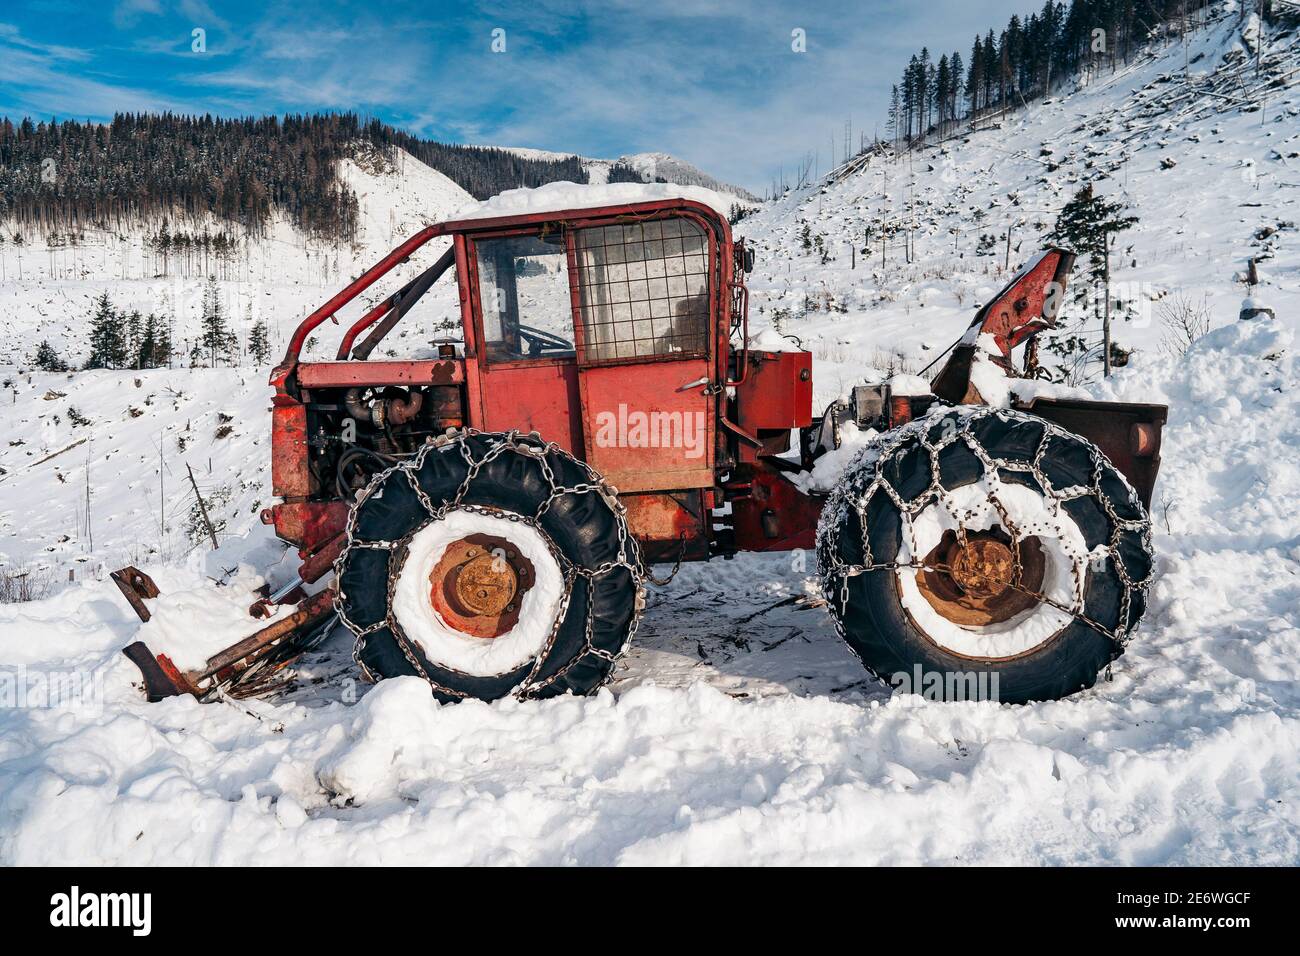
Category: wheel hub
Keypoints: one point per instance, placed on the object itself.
(975, 583)
(485, 584)
(984, 566)
(478, 585)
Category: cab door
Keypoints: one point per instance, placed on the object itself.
(643, 294)
(524, 375)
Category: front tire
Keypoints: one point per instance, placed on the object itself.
(985, 553)
(490, 564)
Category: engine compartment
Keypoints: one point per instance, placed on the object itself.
(355, 432)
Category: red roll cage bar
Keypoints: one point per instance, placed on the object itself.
(408, 248)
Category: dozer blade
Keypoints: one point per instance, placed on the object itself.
(161, 678)
(244, 668)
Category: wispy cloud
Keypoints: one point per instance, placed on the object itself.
(714, 81)
(48, 80)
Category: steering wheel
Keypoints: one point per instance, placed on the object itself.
(540, 341)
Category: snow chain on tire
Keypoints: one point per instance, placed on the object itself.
(920, 445)
(583, 671)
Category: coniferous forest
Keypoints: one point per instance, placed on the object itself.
(67, 175)
(1025, 60)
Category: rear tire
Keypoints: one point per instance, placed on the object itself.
(579, 582)
(940, 542)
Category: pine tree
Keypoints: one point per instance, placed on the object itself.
(107, 336)
(217, 340)
(975, 78)
(134, 331)
(895, 114)
(991, 63)
(154, 348)
(1085, 225)
(259, 347)
(47, 359)
(162, 350)
(954, 85)
(942, 79)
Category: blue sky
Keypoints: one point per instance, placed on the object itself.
(715, 82)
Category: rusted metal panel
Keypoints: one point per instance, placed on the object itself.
(669, 525)
(348, 374)
(309, 524)
(774, 515)
(901, 409)
(290, 476)
(1028, 304)
(1127, 433)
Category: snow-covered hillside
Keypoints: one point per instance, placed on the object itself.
(738, 729)
(1213, 180)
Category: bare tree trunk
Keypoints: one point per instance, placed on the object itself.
(1105, 321)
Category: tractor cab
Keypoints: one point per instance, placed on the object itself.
(604, 331)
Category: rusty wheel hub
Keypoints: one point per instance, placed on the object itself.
(983, 567)
(478, 584)
(977, 583)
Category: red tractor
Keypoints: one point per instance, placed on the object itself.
(490, 511)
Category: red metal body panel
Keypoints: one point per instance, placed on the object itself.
(290, 476)
(651, 427)
(669, 525)
(1029, 304)
(347, 374)
(533, 396)
(308, 523)
(777, 392)
(774, 515)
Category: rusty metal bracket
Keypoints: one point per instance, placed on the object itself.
(136, 587)
(242, 668)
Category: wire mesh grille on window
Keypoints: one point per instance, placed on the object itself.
(645, 289)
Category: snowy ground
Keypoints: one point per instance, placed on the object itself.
(738, 729)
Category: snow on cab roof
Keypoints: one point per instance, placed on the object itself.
(556, 197)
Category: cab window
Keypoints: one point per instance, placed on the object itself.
(644, 289)
(524, 293)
